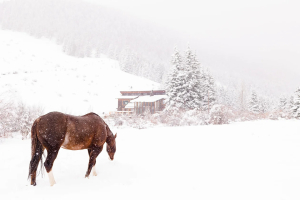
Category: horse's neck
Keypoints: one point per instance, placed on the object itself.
(110, 135)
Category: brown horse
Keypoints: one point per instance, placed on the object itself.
(55, 130)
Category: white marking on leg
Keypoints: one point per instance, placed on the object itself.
(94, 171)
(51, 178)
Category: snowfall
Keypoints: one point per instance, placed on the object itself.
(256, 160)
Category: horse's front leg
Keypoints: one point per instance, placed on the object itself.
(93, 153)
(51, 156)
(94, 168)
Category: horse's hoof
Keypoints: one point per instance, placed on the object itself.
(34, 184)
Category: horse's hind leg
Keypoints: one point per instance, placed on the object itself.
(52, 154)
(36, 157)
(93, 153)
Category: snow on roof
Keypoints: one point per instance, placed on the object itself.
(129, 105)
(126, 97)
(149, 98)
(145, 90)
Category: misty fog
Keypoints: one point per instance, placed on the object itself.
(254, 43)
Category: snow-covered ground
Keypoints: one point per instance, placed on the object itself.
(243, 161)
(37, 72)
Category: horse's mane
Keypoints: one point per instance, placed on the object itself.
(91, 113)
(109, 132)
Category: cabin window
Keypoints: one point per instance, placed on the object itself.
(125, 102)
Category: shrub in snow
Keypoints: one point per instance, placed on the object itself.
(17, 118)
(114, 119)
(6, 117)
(118, 122)
(192, 118)
(273, 116)
(155, 118)
(176, 117)
(171, 116)
(131, 120)
(137, 121)
(220, 114)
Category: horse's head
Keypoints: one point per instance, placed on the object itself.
(111, 146)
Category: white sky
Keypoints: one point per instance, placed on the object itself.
(259, 37)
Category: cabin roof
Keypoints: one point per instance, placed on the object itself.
(126, 97)
(140, 91)
(149, 98)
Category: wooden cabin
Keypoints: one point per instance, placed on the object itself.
(140, 101)
(149, 103)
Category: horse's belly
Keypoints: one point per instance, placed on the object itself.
(75, 142)
(73, 147)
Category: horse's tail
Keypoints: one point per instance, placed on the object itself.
(36, 150)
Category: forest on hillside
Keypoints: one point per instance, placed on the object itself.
(88, 30)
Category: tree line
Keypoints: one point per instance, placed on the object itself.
(190, 87)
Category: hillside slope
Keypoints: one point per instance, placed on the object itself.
(37, 72)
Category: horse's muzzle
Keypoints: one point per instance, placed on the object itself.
(111, 157)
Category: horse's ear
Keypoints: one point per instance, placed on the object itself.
(115, 135)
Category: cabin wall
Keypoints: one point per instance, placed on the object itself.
(141, 107)
(122, 103)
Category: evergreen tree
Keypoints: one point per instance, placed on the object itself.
(296, 107)
(184, 77)
(183, 85)
(208, 91)
(125, 60)
(174, 84)
(283, 104)
(290, 106)
(264, 105)
(253, 104)
(191, 77)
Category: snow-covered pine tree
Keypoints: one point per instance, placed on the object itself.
(208, 91)
(290, 106)
(125, 60)
(188, 79)
(283, 104)
(174, 84)
(183, 85)
(296, 107)
(253, 103)
(193, 80)
(185, 79)
(264, 105)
